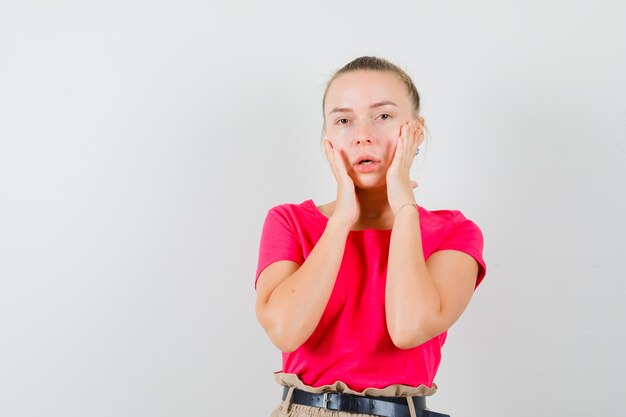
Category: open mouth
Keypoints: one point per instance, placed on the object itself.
(366, 165)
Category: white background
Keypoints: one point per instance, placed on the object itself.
(142, 143)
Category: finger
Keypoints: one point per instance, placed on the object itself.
(408, 144)
(397, 156)
(412, 140)
(420, 135)
(341, 163)
(331, 157)
(330, 150)
(337, 159)
(405, 144)
(327, 151)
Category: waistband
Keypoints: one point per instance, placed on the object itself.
(395, 390)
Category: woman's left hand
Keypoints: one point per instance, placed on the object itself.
(399, 185)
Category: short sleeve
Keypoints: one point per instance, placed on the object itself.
(278, 242)
(466, 236)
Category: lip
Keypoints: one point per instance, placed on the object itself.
(366, 168)
(363, 157)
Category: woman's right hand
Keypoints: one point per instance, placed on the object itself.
(347, 207)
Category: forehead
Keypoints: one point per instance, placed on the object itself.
(361, 88)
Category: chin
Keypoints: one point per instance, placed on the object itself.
(370, 183)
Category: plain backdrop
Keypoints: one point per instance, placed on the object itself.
(142, 143)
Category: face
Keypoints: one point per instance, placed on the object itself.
(364, 112)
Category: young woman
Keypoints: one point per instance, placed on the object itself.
(359, 293)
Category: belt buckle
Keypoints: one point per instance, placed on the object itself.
(326, 400)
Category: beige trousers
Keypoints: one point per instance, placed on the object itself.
(288, 409)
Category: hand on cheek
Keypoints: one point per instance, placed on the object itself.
(399, 185)
(347, 206)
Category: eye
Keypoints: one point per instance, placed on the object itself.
(339, 121)
(385, 114)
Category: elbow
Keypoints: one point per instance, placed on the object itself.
(279, 332)
(408, 338)
(407, 342)
(284, 341)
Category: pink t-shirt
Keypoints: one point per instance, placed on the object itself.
(351, 342)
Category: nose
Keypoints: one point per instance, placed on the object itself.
(363, 134)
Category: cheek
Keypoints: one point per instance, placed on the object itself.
(341, 148)
(341, 136)
(390, 133)
(390, 148)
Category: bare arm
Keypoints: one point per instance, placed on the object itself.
(290, 308)
(423, 299)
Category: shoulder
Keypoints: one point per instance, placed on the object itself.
(296, 215)
(291, 209)
(456, 231)
(444, 216)
(440, 219)
(451, 224)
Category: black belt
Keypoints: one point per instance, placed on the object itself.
(380, 406)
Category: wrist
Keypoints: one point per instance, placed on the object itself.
(407, 204)
(339, 224)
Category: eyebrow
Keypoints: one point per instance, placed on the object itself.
(373, 106)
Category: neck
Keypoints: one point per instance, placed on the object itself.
(373, 202)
